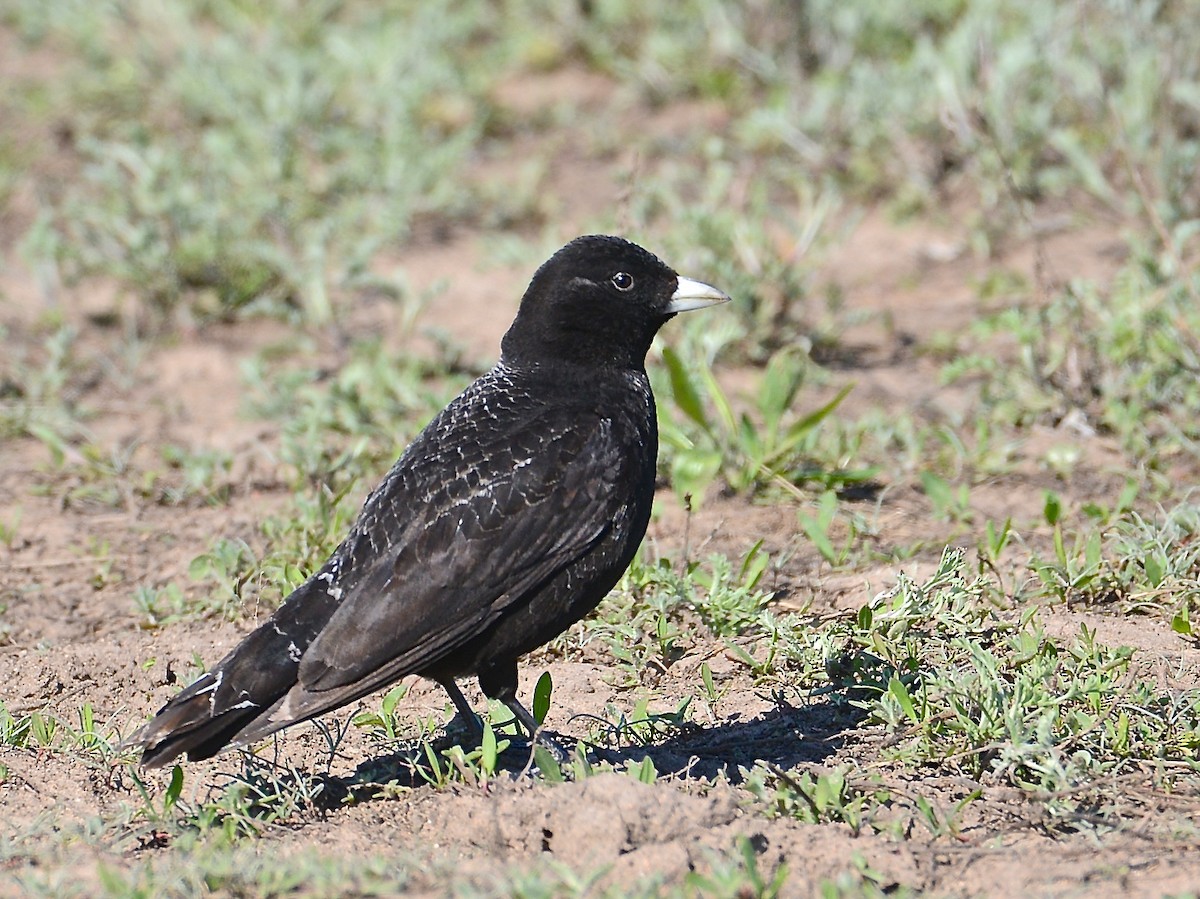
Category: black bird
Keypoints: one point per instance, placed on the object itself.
(507, 520)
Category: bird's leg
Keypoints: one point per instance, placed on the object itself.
(537, 734)
(522, 714)
(500, 682)
(464, 708)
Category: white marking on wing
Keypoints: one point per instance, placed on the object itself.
(212, 697)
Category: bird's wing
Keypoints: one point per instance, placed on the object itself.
(472, 556)
(460, 561)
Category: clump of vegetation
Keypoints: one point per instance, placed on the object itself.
(1119, 360)
(224, 179)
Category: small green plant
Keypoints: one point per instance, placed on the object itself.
(730, 601)
(203, 475)
(384, 724)
(712, 695)
(737, 875)
(944, 823)
(1077, 572)
(949, 503)
(243, 805)
(14, 731)
(478, 766)
(861, 881)
(641, 727)
(8, 529)
(160, 811)
(38, 394)
(643, 771)
(229, 566)
(1150, 564)
(543, 690)
(258, 797)
(639, 621)
(991, 546)
(44, 730)
(818, 798)
(160, 605)
(749, 453)
(818, 528)
(88, 737)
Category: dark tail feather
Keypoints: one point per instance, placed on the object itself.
(206, 716)
(185, 724)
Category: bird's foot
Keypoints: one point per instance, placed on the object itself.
(465, 726)
(534, 757)
(551, 744)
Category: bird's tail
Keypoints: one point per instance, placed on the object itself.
(186, 724)
(204, 718)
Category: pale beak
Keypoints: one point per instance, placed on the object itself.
(691, 295)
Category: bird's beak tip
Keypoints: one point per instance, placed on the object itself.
(691, 295)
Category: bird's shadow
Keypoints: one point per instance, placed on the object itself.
(786, 736)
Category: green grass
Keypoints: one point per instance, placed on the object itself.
(967, 689)
(38, 393)
(1119, 360)
(204, 869)
(766, 447)
(220, 179)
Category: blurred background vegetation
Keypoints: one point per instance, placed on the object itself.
(242, 156)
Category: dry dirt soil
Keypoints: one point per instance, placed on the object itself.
(71, 633)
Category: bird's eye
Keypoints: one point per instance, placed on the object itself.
(622, 281)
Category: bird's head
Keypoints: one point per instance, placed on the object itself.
(600, 301)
